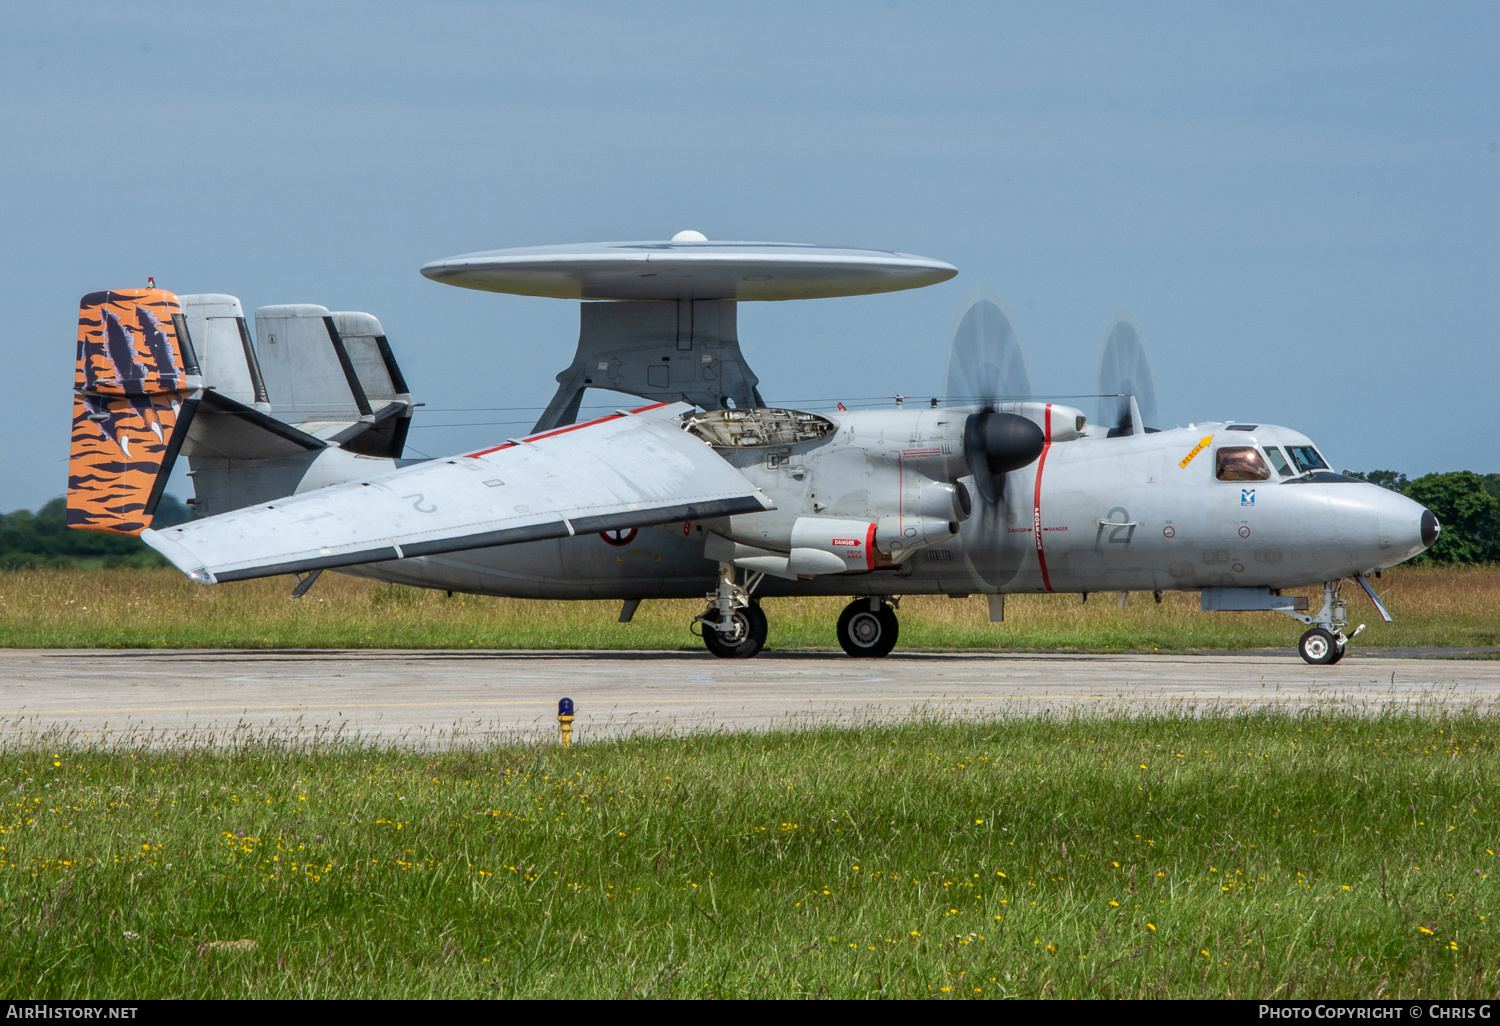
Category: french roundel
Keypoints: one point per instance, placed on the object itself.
(620, 538)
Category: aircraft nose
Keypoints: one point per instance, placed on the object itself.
(1430, 528)
(1406, 528)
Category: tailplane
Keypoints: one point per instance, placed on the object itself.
(160, 376)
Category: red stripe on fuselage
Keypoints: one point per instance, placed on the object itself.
(561, 431)
(1036, 502)
(870, 547)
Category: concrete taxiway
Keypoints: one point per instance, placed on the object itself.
(443, 698)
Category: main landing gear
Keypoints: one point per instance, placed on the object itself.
(745, 637)
(868, 627)
(1325, 644)
(734, 626)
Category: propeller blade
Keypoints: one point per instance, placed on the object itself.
(1124, 372)
(985, 366)
(985, 361)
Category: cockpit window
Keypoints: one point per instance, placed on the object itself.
(1279, 461)
(1242, 463)
(1305, 458)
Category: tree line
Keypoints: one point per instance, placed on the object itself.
(44, 539)
(1467, 505)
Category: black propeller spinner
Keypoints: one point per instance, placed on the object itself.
(997, 443)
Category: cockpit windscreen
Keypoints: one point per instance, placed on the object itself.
(1306, 458)
(1279, 461)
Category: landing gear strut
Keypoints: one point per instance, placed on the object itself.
(868, 627)
(1325, 644)
(734, 627)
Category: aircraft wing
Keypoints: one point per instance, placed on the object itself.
(626, 470)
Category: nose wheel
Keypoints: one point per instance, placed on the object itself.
(1321, 647)
(744, 636)
(1326, 643)
(864, 631)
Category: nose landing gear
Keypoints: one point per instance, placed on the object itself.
(1325, 644)
(868, 627)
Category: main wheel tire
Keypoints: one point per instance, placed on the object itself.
(864, 632)
(747, 641)
(1319, 647)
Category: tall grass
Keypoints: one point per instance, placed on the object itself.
(1457, 606)
(1247, 856)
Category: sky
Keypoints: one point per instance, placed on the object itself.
(1298, 203)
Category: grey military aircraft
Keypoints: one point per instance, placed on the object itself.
(295, 448)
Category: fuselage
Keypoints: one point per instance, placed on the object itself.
(1180, 509)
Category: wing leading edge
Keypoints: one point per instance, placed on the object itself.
(627, 470)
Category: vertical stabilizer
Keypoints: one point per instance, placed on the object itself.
(333, 375)
(135, 370)
(221, 339)
(307, 370)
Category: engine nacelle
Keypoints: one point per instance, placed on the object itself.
(818, 545)
(921, 496)
(898, 537)
(864, 490)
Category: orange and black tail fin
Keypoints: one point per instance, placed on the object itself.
(136, 371)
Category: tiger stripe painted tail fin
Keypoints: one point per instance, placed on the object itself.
(136, 369)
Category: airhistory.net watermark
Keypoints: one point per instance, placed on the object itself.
(70, 1010)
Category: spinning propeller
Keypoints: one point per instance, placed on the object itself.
(985, 362)
(1127, 393)
(986, 365)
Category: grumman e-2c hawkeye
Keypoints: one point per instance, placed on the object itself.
(295, 440)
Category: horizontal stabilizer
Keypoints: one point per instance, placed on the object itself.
(626, 470)
(222, 427)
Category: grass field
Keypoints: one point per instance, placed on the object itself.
(123, 608)
(1248, 856)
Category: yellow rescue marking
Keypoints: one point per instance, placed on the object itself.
(1196, 450)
